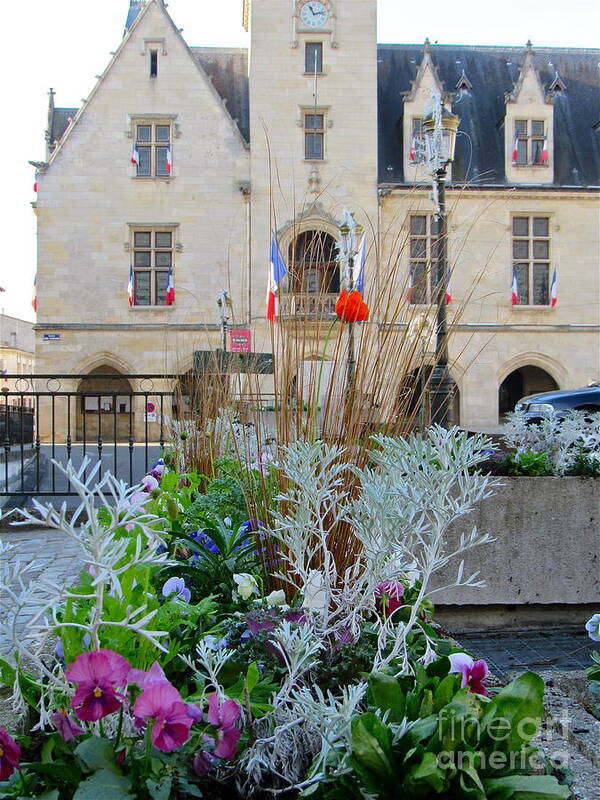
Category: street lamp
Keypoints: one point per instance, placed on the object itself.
(347, 250)
(224, 304)
(439, 128)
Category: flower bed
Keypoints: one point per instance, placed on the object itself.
(207, 651)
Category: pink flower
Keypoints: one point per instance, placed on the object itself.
(149, 483)
(67, 728)
(97, 674)
(10, 753)
(143, 679)
(388, 597)
(473, 672)
(162, 702)
(224, 717)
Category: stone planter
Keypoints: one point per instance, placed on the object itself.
(545, 561)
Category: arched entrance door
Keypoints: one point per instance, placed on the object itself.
(104, 410)
(521, 382)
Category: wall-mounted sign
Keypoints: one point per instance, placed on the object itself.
(150, 407)
(52, 337)
(240, 341)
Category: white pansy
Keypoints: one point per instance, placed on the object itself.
(246, 585)
(276, 598)
(314, 591)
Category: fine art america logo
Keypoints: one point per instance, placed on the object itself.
(502, 730)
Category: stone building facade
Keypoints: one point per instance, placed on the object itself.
(184, 162)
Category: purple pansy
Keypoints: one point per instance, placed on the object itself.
(204, 540)
(177, 587)
(10, 753)
(388, 597)
(97, 676)
(224, 716)
(473, 672)
(66, 727)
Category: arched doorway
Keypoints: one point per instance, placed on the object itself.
(104, 409)
(413, 400)
(313, 268)
(521, 382)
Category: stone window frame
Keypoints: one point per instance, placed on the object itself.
(140, 119)
(152, 268)
(532, 260)
(528, 137)
(306, 111)
(313, 42)
(425, 259)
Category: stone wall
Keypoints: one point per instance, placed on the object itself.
(546, 550)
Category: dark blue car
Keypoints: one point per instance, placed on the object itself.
(537, 406)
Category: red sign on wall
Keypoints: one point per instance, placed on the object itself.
(240, 341)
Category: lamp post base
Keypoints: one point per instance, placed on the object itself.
(442, 389)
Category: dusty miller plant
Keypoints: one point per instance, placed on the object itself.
(559, 434)
(399, 518)
(105, 555)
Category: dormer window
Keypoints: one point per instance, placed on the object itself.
(416, 139)
(531, 144)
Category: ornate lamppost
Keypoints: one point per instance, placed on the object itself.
(439, 128)
(347, 247)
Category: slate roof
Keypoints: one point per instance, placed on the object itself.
(59, 123)
(228, 70)
(492, 72)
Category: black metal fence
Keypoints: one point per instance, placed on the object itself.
(44, 418)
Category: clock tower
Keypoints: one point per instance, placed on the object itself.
(313, 122)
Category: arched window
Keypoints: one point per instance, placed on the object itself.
(313, 267)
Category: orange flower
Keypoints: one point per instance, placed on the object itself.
(351, 308)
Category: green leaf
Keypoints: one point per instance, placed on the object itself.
(160, 791)
(372, 745)
(513, 716)
(105, 785)
(427, 771)
(50, 795)
(252, 676)
(526, 787)
(387, 695)
(445, 691)
(7, 673)
(426, 704)
(97, 753)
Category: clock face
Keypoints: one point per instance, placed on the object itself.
(314, 14)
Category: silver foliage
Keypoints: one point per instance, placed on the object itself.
(558, 434)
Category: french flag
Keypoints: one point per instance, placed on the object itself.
(130, 286)
(411, 154)
(34, 297)
(410, 293)
(170, 293)
(553, 291)
(169, 162)
(277, 273)
(515, 150)
(359, 266)
(545, 151)
(448, 291)
(514, 290)
(135, 156)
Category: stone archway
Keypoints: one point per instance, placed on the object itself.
(312, 263)
(525, 380)
(104, 407)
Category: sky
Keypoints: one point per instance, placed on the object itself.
(66, 43)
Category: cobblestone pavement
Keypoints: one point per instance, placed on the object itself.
(56, 555)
